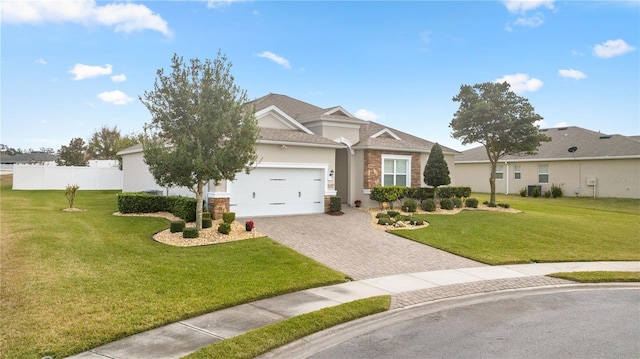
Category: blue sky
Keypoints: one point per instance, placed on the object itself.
(70, 67)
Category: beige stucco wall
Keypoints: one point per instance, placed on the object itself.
(270, 121)
(136, 177)
(336, 131)
(618, 178)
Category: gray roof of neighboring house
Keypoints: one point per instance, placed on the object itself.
(589, 145)
(33, 157)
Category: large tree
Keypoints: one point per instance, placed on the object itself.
(103, 143)
(436, 171)
(73, 155)
(201, 129)
(503, 122)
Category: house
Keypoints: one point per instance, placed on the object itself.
(306, 155)
(580, 161)
(8, 162)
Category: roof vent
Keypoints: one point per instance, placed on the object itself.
(605, 137)
(544, 129)
(562, 128)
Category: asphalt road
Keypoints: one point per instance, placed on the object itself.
(586, 322)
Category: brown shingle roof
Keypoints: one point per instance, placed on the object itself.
(407, 141)
(589, 144)
(278, 135)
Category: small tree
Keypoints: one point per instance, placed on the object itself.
(70, 193)
(494, 116)
(436, 171)
(201, 128)
(74, 154)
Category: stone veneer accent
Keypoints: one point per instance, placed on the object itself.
(217, 206)
(327, 202)
(373, 167)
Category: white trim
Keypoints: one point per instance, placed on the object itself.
(517, 160)
(387, 131)
(284, 118)
(336, 109)
(346, 142)
(396, 157)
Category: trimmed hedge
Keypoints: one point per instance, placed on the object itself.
(224, 228)
(446, 203)
(176, 226)
(410, 205)
(183, 207)
(428, 205)
(388, 194)
(228, 217)
(335, 204)
(471, 202)
(207, 223)
(190, 232)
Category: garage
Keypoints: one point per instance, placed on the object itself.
(278, 191)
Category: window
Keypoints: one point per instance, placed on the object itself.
(517, 172)
(396, 170)
(543, 173)
(499, 172)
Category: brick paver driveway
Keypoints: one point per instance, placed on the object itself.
(349, 244)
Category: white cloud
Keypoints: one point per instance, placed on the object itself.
(561, 124)
(126, 17)
(571, 73)
(275, 58)
(119, 78)
(116, 97)
(611, 48)
(86, 71)
(41, 61)
(366, 115)
(522, 6)
(213, 4)
(521, 83)
(532, 21)
(541, 123)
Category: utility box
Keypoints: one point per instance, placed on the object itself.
(591, 181)
(531, 188)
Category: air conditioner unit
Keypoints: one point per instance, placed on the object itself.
(591, 181)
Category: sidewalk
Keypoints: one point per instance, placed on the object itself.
(181, 338)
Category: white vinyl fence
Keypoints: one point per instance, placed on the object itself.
(35, 177)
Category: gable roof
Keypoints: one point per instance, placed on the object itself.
(301, 111)
(589, 145)
(375, 136)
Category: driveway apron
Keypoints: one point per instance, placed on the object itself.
(349, 244)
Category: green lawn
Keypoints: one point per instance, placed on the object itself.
(74, 280)
(547, 230)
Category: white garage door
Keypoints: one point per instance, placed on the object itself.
(278, 191)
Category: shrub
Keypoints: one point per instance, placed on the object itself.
(190, 233)
(428, 205)
(419, 193)
(504, 205)
(416, 222)
(206, 215)
(471, 202)
(556, 191)
(224, 228)
(523, 192)
(535, 192)
(388, 194)
(445, 192)
(393, 214)
(335, 204)
(490, 204)
(446, 203)
(70, 193)
(176, 226)
(382, 215)
(385, 221)
(461, 192)
(183, 207)
(547, 194)
(207, 223)
(228, 217)
(410, 205)
(457, 202)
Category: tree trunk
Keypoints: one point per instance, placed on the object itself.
(492, 182)
(199, 196)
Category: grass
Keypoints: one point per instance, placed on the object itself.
(264, 339)
(598, 277)
(71, 281)
(547, 230)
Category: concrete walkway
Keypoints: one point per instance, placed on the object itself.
(349, 244)
(179, 339)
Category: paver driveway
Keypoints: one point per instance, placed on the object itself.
(349, 244)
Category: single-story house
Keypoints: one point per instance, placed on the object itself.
(306, 155)
(580, 161)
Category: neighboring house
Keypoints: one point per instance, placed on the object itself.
(307, 154)
(32, 158)
(580, 161)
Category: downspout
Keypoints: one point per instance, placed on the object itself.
(507, 174)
